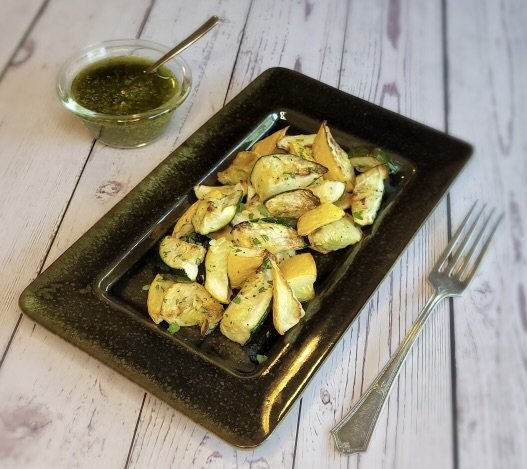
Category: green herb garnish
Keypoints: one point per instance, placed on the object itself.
(261, 358)
(386, 159)
(173, 328)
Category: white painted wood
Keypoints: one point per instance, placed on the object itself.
(488, 106)
(16, 16)
(386, 61)
(59, 407)
(31, 171)
(300, 35)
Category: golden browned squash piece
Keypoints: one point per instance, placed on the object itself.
(242, 263)
(248, 308)
(300, 272)
(190, 304)
(275, 237)
(156, 293)
(328, 153)
(216, 278)
(269, 144)
(292, 203)
(367, 195)
(179, 254)
(240, 168)
(319, 216)
(336, 235)
(287, 310)
(215, 211)
(274, 174)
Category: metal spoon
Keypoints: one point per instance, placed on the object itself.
(201, 31)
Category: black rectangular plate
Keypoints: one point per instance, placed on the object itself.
(92, 295)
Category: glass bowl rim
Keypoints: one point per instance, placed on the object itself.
(72, 105)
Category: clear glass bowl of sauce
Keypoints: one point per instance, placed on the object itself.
(106, 87)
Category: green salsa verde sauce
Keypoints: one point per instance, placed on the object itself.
(119, 86)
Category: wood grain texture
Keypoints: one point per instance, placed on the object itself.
(51, 415)
(488, 106)
(386, 61)
(16, 18)
(31, 206)
(301, 35)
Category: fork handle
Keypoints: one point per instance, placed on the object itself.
(352, 434)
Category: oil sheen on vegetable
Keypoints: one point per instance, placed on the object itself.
(119, 86)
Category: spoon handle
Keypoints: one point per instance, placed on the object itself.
(202, 30)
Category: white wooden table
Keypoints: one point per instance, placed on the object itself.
(456, 65)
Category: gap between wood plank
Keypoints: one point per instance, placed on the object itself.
(46, 255)
(129, 456)
(24, 37)
(453, 372)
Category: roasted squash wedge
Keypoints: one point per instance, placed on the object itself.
(327, 191)
(269, 144)
(184, 224)
(367, 195)
(240, 168)
(242, 263)
(156, 293)
(319, 216)
(179, 254)
(300, 272)
(299, 145)
(287, 309)
(328, 153)
(216, 278)
(274, 237)
(292, 203)
(248, 308)
(190, 304)
(215, 211)
(336, 235)
(274, 174)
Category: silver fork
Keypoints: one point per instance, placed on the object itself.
(450, 276)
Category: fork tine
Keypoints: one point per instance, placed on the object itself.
(468, 275)
(457, 255)
(454, 241)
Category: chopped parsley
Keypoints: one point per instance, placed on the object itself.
(263, 211)
(261, 358)
(383, 157)
(173, 328)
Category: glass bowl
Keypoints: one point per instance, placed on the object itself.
(129, 130)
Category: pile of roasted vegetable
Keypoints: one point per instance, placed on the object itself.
(288, 193)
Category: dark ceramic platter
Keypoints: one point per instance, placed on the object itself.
(93, 297)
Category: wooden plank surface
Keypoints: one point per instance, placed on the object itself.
(460, 399)
(406, 82)
(488, 106)
(53, 411)
(15, 22)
